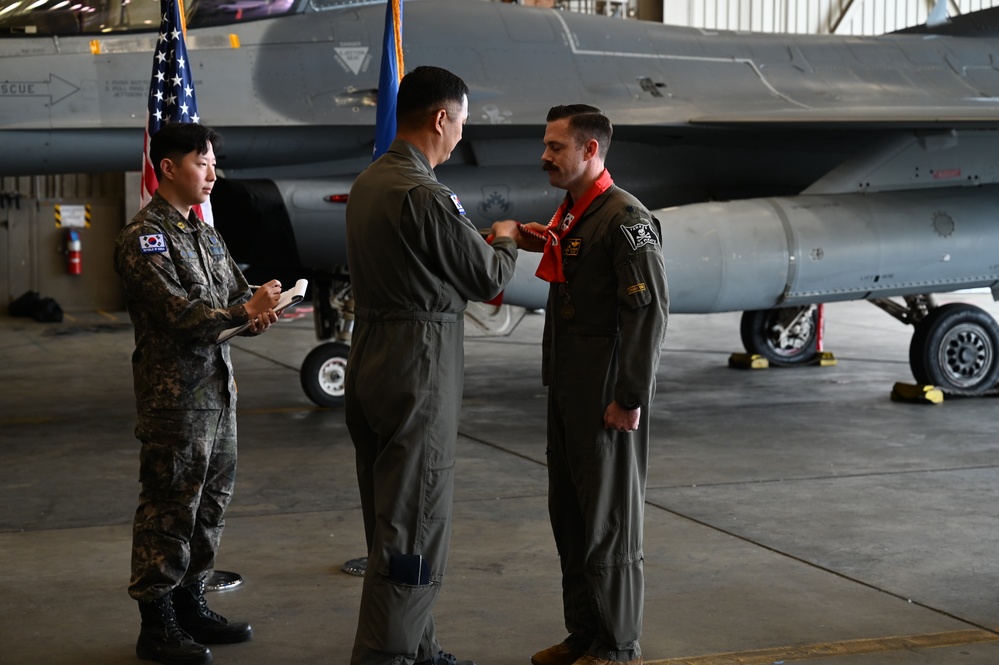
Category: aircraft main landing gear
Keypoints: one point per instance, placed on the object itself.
(956, 348)
(785, 337)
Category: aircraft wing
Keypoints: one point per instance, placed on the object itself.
(868, 117)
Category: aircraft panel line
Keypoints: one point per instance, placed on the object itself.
(690, 58)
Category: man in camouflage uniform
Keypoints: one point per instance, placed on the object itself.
(604, 325)
(182, 289)
(415, 260)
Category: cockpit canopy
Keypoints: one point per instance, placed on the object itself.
(74, 17)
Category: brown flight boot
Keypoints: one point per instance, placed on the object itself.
(558, 654)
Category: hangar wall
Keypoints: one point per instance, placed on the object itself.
(843, 17)
(35, 214)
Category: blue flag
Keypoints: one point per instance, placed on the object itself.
(389, 77)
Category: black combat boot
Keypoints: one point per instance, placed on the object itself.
(201, 623)
(163, 640)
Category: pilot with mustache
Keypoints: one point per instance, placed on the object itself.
(604, 324)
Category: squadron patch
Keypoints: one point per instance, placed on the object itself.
(571, 247)
(152, 244)
(640, 235)
(457, 204)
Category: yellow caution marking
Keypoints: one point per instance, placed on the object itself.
(72, 216)
(844, 648)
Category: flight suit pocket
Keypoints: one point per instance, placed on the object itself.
(395, 616)
(632, 287)
(438, 492)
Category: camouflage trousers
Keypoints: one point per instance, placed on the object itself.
(187, 467)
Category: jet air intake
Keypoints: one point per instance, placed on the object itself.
(782, 252)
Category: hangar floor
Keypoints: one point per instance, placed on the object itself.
(793, 515)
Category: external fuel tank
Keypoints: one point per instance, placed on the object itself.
(780, 252)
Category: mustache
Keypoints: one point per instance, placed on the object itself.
(548, 166)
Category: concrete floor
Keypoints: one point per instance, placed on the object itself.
(793, 515)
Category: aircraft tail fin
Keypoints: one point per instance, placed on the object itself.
(938, 15)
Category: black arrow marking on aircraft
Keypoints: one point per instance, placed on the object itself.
(56, 89)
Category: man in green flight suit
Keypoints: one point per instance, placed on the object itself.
(604, 324)
(415, 260)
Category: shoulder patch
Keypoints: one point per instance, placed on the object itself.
(640, 235)
(151, 244)
(457, 204)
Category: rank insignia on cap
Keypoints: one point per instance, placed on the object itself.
(640, 235)
(457, 204)
(152, 243)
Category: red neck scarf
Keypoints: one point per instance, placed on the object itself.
(550, 268)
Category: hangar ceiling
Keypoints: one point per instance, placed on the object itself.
(844, 17)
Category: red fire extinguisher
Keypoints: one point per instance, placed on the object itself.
(74, 257)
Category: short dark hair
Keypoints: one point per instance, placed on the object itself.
(425, 90)
(586, 122)
(176, 139)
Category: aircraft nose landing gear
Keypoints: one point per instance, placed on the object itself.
(324, 373)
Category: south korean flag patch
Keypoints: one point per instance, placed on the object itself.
(640, 235)
(457, 204)
(152, 244)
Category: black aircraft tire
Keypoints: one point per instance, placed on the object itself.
(917, 355)
(765, 332)
(324, 373)
(956, 348)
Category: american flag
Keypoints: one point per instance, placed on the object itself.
(171, 93)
